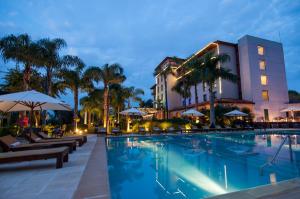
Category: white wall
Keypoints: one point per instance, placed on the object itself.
(251, 73)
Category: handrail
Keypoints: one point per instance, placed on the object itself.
(274, 156)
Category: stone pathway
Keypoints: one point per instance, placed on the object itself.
(40, 179)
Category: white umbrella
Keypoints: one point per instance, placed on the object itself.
(133, 112)
(235, 113)
(291, 108)
(192, 112)
(30, 101)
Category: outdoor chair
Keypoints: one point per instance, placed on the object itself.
(9, 143)
(116, 131)
(61, 154)
(157, 130)
(182, 129)
(171, 129)
(142, 130)
(45, 136)
(36, 139)
(100, 130)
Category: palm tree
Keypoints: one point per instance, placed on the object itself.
(13, 81)
(49, 50)
(21, 49)
(108, 74)
(92, 103)
(209, 67)
(183, 88)
(133, 94)
(118, 96)
(74, 78)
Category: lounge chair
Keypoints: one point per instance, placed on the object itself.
(183, 129)
(36, 139)
(9, 143)
(171, 130)
(156, 129)
(116, 131)
(142, 130)
(61, 154)
(45, 136)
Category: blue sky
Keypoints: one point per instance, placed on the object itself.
(138, 34)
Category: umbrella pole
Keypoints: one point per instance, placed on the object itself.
(31, 120)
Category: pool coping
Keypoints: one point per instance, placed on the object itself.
(94, 182)
(280, 190)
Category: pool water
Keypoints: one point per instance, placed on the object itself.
(198, 165)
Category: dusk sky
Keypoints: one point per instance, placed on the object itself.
(138, 34)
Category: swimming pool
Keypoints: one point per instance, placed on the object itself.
(198, 165)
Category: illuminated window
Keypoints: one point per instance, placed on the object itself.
(262, 65)
(265, 95)
(260, 50)
(263, 80)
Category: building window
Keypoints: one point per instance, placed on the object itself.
(266, 114)
(260, 50)
(161, 97)
(263, 80)
(204, 97)
(204, 87)
(262, 65)
(161, 87)
(215, 94)
(265, 95)
(190, 101)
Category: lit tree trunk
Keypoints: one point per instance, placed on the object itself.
(89, 119)
(75, 114)
(166, 96)
(118, 114)
(196, 96)
(212, 106)
(105, 107)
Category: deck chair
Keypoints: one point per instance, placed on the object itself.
(36, 139)
(9, 143)
(61, 154)
(156, 129)
(116, 131)
(45, 136)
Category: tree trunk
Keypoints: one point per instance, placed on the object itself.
(75, 114)
(49, 81)
(26, 77)
(89, 119)
(166, 96)
(118, 114)
(105, 108)
(212, 107)
(196, 96)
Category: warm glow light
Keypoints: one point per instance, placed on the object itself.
(263, 80)
(265, 95)
(262, 65)
(195, 54)
(260, 50)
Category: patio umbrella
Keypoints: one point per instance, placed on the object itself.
(192, 112)
(132, 112)
(291, 109)
(236, 113)
(30, 101)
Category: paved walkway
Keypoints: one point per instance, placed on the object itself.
(40, 179)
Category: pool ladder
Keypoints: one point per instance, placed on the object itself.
(272, 161)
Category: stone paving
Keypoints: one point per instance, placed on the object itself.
(40, 179)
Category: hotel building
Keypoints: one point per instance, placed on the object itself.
(261, 86)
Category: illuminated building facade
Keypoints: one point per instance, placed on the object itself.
(261, 86)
